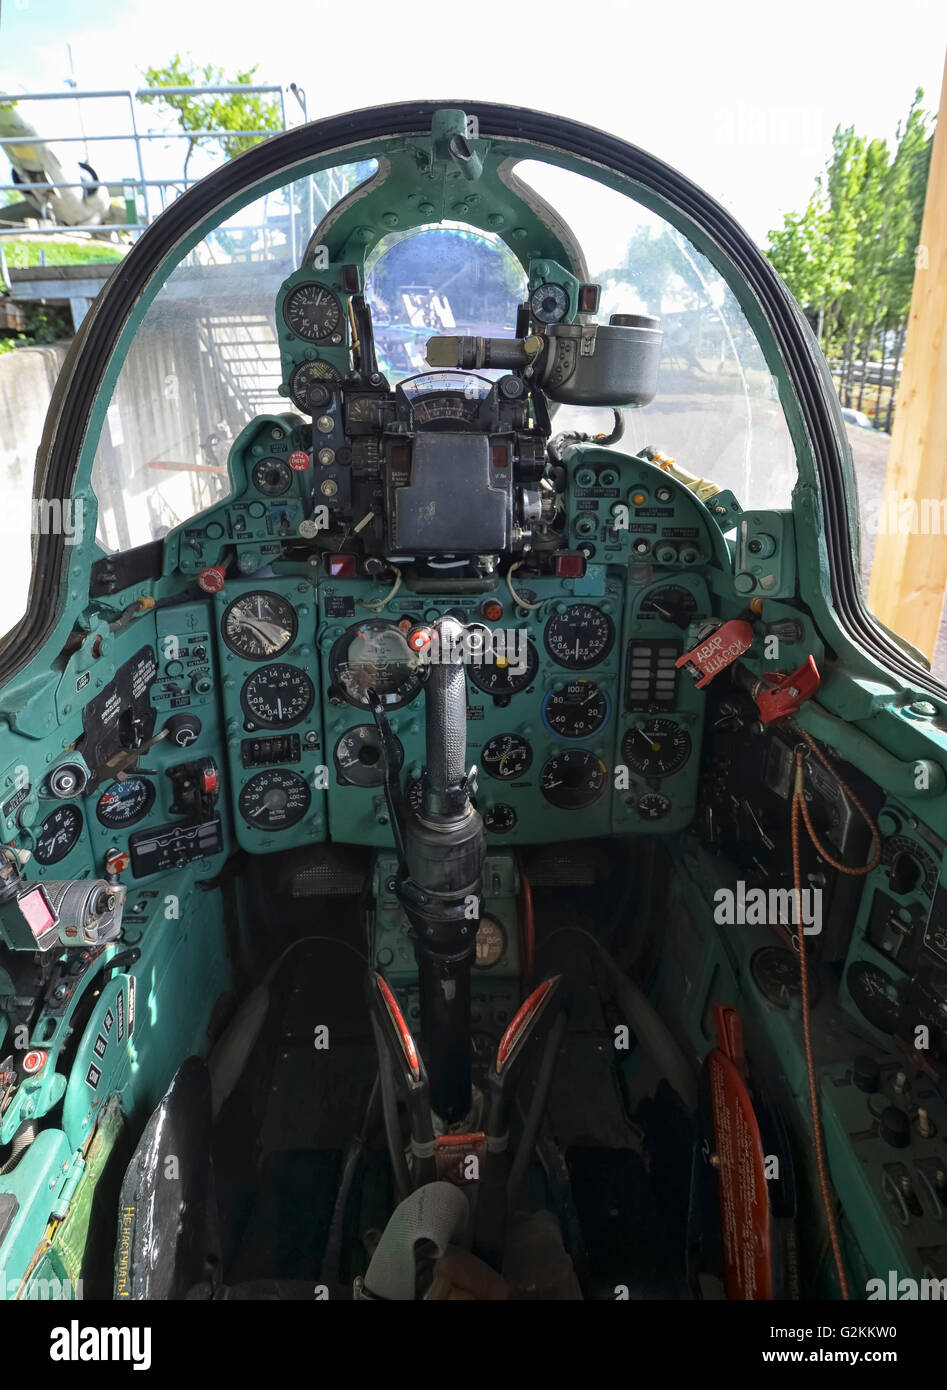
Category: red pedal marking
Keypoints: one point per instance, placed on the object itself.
(397, 1018)
(521, 1018)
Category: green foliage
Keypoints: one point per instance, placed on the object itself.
(216, 111)
(849, 257)
(47, 323)
(24, 255)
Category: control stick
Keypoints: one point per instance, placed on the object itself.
(440, 847)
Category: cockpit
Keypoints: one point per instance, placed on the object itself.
(454, 798)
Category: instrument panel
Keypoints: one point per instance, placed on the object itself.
(568, 737)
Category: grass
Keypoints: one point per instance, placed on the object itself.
(25, 255)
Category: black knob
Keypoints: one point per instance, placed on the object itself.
(895, 1127)
(906, 873)
(183, 729)
(866, 1073)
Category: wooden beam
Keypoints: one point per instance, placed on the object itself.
(909, 573)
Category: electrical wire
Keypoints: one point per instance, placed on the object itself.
(518, 598)
(376, 605)
(800, 811)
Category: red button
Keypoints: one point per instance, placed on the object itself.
(492, 610)
(570, 566)
(34, 1061)
(212, 579)
(342, 566)
(299, 460)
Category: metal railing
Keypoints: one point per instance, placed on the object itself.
(139, 139)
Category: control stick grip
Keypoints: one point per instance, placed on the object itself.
(446, 717)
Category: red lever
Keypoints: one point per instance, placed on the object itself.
(720, 650)
(782, 698)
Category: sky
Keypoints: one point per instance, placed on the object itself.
(741, 97)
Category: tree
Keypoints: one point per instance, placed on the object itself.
(849, 258)
(221, 111)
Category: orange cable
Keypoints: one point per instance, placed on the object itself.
(799, 808)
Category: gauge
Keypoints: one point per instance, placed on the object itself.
(910, 865)
(506, 757)
(491, 943)
(875, 994)
(501, 676)
(259, 625)
(572, 781)
(374, 655)
(652, 806)
(580, 637)
(549, 303)
(277, 695)
(657, 748)
(775, 972)
(124, 803)
(360, 758)
(577, 711)
(272, 477)
(274, 800)
(499, 819)
(313, 313)
(672, 602)
(307, 385)
(466, 384)
(58, 834)
(455, 408)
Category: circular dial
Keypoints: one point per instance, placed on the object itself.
(312, 312)
(274, 800)
(277, 695)
(272, 477)
(375, 655)
(549, 303)
(504, 677)
(875, 994)
(491, 942)
(307, 385)
(259, 625)
(580, 637)
(58, 834)
(572, 781)
(672, 602)
(360, 758)
(499, 818)
(775, 972)
(124, 803)
(506, 757)
(652, 806)
(918, 868)
(657, 748)
(577, 711)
